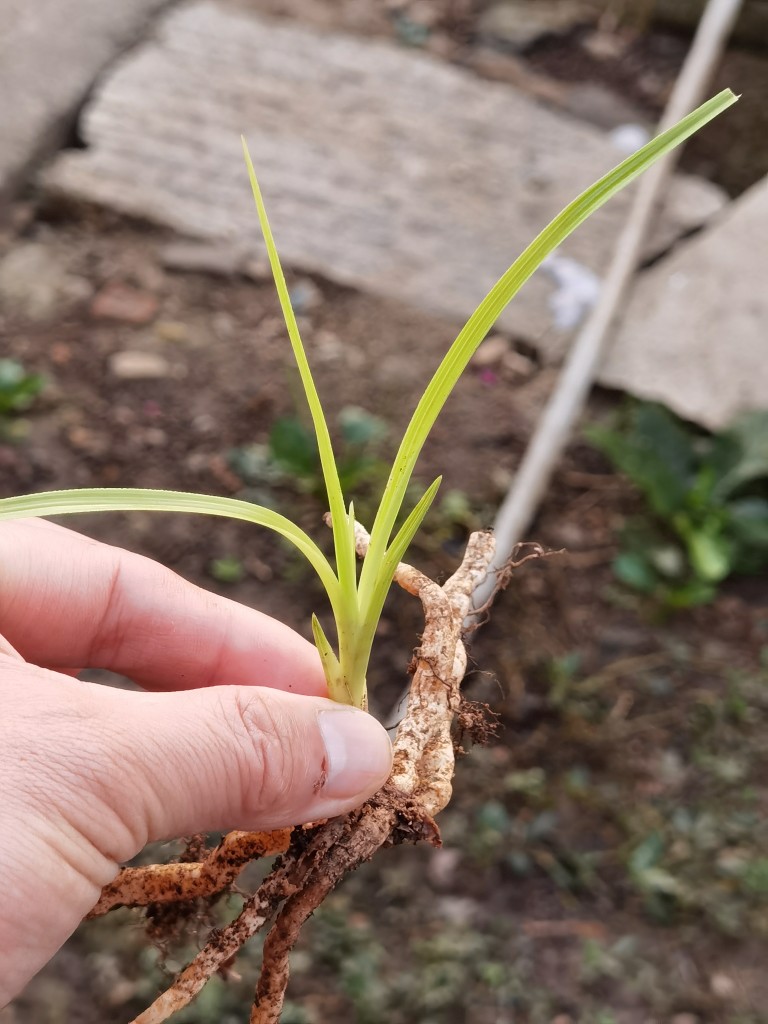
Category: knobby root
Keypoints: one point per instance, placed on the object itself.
(171, 883)
(320, 856)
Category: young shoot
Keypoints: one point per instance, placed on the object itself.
(357, 601)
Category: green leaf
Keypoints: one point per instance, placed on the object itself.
(385, 571)
(407, 531)
(710, 555)
(747, 443)
(17, 387)
(653, 449)
(634, 570)
(659, 881)
(491, 307)
(748, 521)
(355, 471)
(331, 666)
(254, 463)
(455, 507)
(345, 558)
(227, 570)
(648, 853)
(357, 609)
(689, 595)
(361, 428)
(133, 499)
(293, 447)
(755, 878)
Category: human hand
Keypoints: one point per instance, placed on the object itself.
(89, 774)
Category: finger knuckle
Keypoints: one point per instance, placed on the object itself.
(263, 764)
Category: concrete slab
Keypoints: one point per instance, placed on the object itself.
(50, 54)
(695, 333)
(382, 168)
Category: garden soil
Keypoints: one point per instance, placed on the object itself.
(605, 858)
(618, 729)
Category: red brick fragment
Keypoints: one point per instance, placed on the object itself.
(128, 305)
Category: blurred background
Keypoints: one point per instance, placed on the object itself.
(605, 858)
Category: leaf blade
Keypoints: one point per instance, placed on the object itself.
(491, 307)
(371, 610)
(345, 557)
(135, 499)
(331, 665)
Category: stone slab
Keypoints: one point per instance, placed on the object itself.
(50, 54)
(695, 333)
(382, 168)
(518, 24)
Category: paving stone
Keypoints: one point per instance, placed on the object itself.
(519, 24)
(203, 258)
(35, 282)
(50, 54)
(382, 168)
(600, 105)
(694, 333)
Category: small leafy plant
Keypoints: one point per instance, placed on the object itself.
(357, 601)
(291, 456)
(707, 498)
(17, 392)
(290, 461)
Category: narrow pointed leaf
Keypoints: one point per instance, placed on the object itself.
(330, 662)
(491, 307)
(372, 604)
(344, 558)
(133, 499)
(408, 530)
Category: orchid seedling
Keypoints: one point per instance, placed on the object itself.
(357, 599)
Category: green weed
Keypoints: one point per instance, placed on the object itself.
(18, 390)
(706, 499)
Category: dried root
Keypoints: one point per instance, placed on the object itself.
(319, 857)
(172, 883)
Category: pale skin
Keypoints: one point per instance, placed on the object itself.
(233, 729)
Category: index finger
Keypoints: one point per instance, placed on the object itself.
(66, 600)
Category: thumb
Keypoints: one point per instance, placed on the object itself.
(139, 767)
(171, 764)
(89, 775)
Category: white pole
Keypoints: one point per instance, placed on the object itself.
(575, 381)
